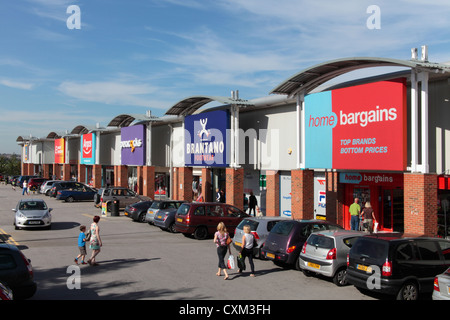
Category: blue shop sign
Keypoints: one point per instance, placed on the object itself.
(206, 136)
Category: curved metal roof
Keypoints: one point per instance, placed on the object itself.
(312, 77)
(189, 105)
(124, 120)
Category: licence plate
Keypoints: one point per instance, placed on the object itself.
(270, 255)
(34, 222)
(180, 219)
(238, 244)
(364, 268)
(126, 213)
(313, 265)
(159, 217)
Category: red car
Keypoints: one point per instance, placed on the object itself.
(35, 183)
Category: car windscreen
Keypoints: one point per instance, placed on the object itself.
(252, 223)
(283, 228)
(32, 205)
(320, 241)
(156, 205)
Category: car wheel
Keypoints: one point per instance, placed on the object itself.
(340, 278)
(172, 228)
(141, 217)
(409, 291)
(69, 199)
(201, 233)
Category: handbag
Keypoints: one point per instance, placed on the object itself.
(88, 235)
(230, 263)
(229, 241)
(241, 262)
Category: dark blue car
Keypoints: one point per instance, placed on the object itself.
(76, 194)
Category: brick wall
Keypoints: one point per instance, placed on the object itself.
(97, 176)
(183, 183)
(148, 181)
(335, 198)
(206, 185)
(302, 191)
(272, 194)
(420, 204)
(234, 189)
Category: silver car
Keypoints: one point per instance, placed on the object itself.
(160, 205)
(442, 286)
(325, 253)
(46, 186)
(260, 228)
(32, 213)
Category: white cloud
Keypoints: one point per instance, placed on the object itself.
(16, 84)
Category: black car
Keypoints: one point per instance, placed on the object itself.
(398, 265)
(63, 185)
(286, 239)
(138, 210)
(16, 272)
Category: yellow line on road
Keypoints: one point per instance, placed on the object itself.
(7, 237)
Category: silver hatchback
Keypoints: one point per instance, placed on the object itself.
(325, 253)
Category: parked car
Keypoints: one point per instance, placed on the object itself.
(138, 210)
(6, 293)
(286, 239)
(64, 185)
(325, 253)
(160, 205)
(201, 218)
(16, 272)
(34, 184)
(46, 186)
(260, 227)
(21, 179)
(98, 197)
(405, 266)
(32, 213)
(442, 286)
(125, 196)
(165, 218)
(76, 194)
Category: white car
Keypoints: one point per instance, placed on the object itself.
(442, 286)
(32, 213)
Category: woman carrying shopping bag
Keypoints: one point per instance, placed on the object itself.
(221, 240)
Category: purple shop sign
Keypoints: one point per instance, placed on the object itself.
(133, 145)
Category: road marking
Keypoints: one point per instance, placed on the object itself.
(7, 238)
(92, 216)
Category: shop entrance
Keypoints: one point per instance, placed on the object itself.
(218, 182)
(391, 217)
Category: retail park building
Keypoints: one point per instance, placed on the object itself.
(306, 150)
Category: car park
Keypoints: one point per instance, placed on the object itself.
(138, 210)
(286, 239)
(46, 186)
(158, 205)
(260, 228)
(442, 286)
(32, 213)
(201, 218)
(123, 195)
(63, 185)
(399, 265)
(325, 253)
(16, 272)
(79, 193)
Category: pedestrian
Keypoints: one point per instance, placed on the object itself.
(369, 217)
(355, 210)
(25, 187)
(222, 196)
(252, 204)
(200, 196)
(95, 242)
(218, 195)
(220, 239)
(81, 245)
(247, 248)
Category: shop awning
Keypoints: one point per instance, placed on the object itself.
(190, 105)
(310, 78)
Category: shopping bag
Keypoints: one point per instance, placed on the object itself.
(231, 264)
(241, 262)
(375, 227)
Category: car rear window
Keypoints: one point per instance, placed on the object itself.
(320, 241)
(7, 262)
(283, 228)
(183, 209)
(252, 223)
(374, 248)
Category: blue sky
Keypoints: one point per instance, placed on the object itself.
(134, 55)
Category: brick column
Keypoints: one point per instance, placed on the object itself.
(234, 189)
(97, 176)
(183, 178)
(57, 171)
(66, 171)
(82, 173)
(302, 190)
(121, 176)
(420, 204)
(334, 198)
(206, 185)
(272, 193)
(148, 181)
(46, 173)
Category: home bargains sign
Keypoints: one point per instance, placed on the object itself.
(206, 137)
(133, 145)
(361, 127)
(88, 148)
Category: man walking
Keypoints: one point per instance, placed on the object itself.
(355, 210)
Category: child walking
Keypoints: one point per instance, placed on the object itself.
(81, 245)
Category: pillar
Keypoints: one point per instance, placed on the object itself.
(57, 171)
(121, 176)
(82, 173)
(420, 204)
(183, 183)
(207, 185)
(334, 198)
(234, 189)
(302, 190)
(46, 173)
(148, 181)
(97, 176)
(66, 172)
(272, 193)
